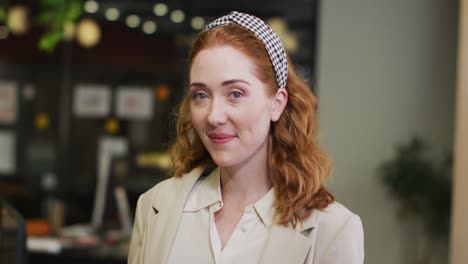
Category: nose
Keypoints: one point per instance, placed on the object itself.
(217, 113)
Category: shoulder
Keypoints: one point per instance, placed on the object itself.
(171, 188)
(339, 232)
(334, 219)
(334, 216)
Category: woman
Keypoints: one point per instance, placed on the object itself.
(248, 173)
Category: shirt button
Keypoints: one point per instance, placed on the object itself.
(248, 210)
(243, 229)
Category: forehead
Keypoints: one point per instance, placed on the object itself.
(221, 63)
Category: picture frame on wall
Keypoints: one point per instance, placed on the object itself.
(92, 101)
(135, 103)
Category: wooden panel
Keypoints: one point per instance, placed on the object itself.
(459, 233)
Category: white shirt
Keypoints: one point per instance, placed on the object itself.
(198, 226)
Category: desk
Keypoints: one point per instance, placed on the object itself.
(102, 254)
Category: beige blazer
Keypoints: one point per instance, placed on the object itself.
(330, 236)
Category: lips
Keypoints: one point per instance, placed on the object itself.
(220, 138)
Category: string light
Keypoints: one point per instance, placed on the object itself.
(91, 6)
(160, 9)
(88, 33)
(17, 19)
(133, 21)
(197, 23)
(177, 16)
(149, 27)
(112, 14)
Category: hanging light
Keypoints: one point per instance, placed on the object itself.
(88, 33)
(177, 16)
(149, 27)
(17, 19)
(91, 6)
(112, 14)
(133, 21)
(160, 9)
(197, 23)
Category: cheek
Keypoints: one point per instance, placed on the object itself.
(197, 118)
(254, 118)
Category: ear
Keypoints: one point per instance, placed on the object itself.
(279, 103)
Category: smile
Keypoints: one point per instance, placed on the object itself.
(220, 138)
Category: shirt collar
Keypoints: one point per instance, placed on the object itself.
(265, 207)
(206, 193)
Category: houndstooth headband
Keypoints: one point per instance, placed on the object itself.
(272, 43)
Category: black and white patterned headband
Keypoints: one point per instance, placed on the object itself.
(272, 43)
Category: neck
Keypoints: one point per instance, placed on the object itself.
(247, 183)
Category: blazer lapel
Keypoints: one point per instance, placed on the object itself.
(166, 216)
(289, 245)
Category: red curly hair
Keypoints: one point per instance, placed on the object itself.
(297, 166)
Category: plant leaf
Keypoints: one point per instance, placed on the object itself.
(46, 17)
(2, 14)
(73, 11)
(50, 40)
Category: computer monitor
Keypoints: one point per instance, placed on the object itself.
(109, 148)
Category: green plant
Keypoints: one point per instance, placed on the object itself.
(422, 187)
(2, 14)
(3, 10)
(54, 16)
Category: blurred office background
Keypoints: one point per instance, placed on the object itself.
(88, 91)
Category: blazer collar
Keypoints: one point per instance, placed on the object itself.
(207, 193)
(180, 191)
(166, 216)
(290, 245)
(285, 244)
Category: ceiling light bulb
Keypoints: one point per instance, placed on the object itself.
(91, 6)
(133, 21)
(17, 19)
(177, 16)
(197, 23)
(160, 9)
(88, 33)
(149, 27)
(112, 14)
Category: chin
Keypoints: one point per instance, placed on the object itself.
(224, 161)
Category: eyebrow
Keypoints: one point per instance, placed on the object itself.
(202, 85)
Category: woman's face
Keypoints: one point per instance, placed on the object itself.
(231, 109)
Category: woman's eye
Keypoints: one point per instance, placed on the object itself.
(236, 94)
(199, 96)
